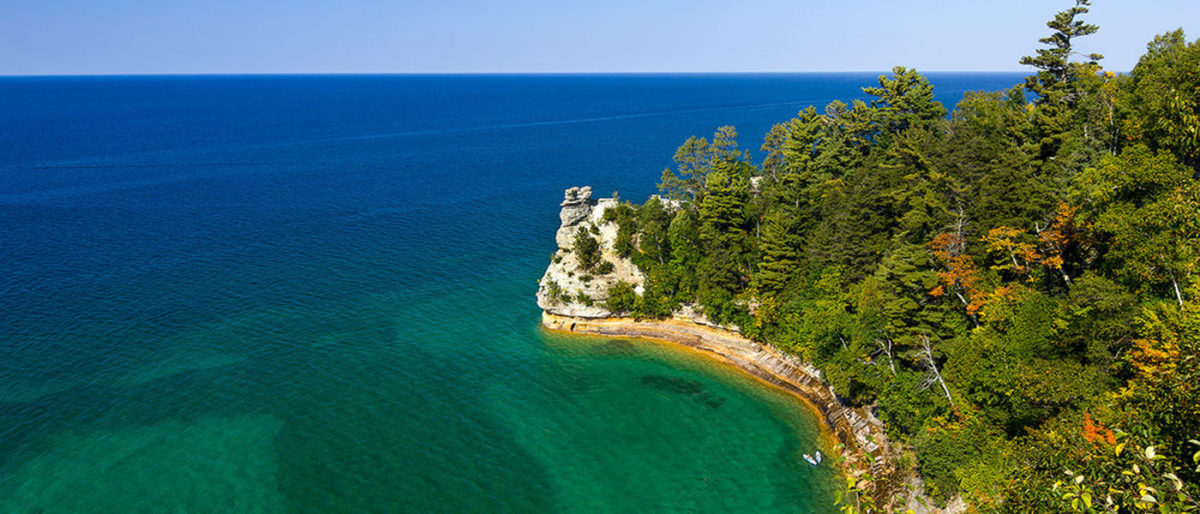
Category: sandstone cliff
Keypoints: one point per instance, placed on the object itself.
(566, 289)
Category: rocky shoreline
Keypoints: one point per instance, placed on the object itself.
(573, 302)
(862, 435)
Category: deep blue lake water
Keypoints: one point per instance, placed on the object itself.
(315, 294)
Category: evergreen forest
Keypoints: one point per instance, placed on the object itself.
(1011, 286)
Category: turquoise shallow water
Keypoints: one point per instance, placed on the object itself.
(315, 294)
(380, 404)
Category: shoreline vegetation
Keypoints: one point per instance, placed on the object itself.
(1011, 288)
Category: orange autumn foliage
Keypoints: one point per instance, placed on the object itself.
(1063, 231)
(960, 275)
(1094, 432)
(1018, 255)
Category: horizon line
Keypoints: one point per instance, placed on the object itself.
(479, 73)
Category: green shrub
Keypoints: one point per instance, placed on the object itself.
(554, 291)
(584, 299)
(610, 215)
(622, 299)
(587, 249)
(624, 243)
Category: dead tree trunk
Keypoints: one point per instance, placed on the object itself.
(933, 366)
(1178, 297)
(887, 350)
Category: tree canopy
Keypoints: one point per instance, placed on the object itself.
(1013, 287)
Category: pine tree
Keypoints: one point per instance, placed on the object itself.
(1056, 72)
(587, 249)
(926, 198)
(653, 243)
(722, 209)
(904, 101)
(686, 254)
(1060, 85)
(780, 249)
(696, 158)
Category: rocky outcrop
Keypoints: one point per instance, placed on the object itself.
(576, 206)
(566, 288)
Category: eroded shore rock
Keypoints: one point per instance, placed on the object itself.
(566, 288)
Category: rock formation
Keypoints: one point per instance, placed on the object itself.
(576, 205)
(566, 289)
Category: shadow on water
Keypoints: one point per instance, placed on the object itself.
(683, 386)
(618, 347)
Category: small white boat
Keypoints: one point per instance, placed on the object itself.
(818, 456)
(811, 460)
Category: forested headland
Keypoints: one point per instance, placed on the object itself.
(1012, 286)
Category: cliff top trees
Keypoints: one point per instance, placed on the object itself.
(621, 298)
(1061, 85)
(1056, 71)
(696, 158)
(1163, 98)
(1021, 278)
(904, 101)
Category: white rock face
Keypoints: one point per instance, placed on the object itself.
(576, 205)
(580, 211)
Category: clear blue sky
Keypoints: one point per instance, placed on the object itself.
(417, 36)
